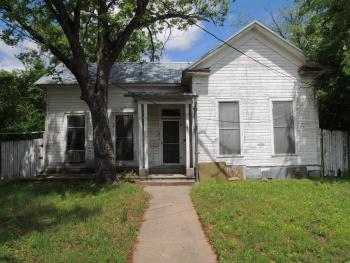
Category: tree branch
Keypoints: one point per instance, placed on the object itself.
(135, 23)
(40, 39)
(76, 20)
(69, 27)
(152, 43)
(277, 26)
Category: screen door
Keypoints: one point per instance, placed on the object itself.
(171, 142)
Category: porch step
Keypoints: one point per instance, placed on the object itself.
(164, 177)
(165, 180)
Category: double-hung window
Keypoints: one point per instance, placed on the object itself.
(229, 128)
(75, 150)
(124, 137)
(283, 127)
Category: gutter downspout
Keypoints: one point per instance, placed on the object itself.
(196, 138)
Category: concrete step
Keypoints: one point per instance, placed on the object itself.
(164, 177)
(165, 182)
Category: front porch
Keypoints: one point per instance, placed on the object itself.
(166, 136)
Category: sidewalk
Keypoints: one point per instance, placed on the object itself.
(171, 231)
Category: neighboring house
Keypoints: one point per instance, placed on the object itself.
(254, 111)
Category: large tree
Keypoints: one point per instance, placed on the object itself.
(321, 29)
(328, 37)
(78, 32)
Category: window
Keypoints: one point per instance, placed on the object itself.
(124, 137)
(75, 151)
(171, 113)
(229, 128)
(283, 127)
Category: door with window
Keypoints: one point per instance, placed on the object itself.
(171, 141)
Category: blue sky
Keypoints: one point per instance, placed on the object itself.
(190, 45)
(241, 13)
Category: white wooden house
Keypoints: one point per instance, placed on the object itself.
(250, 108)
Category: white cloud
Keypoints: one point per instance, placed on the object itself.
(181, 40)
(8, 60)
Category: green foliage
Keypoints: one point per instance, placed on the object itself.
(128, 176)
(22, 104)
(276, 221)
(69, 222)
(159, 16)
(321, 29)
(290, 24)
(328, 34)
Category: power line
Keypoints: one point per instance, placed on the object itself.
(241, 52)
(201, 118)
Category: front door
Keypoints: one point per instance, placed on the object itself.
(171, 141)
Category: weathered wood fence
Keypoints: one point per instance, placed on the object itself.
(335, 147)
(23, 158)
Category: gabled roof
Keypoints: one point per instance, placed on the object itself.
(126, 73)
(260, 28)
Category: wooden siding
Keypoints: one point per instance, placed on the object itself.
(21, 158)
(336, 155)
(66, 100)
(236, 77)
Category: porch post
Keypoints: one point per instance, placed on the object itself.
(139, 115)
(145, 127)
(189, 170)
(193, 136)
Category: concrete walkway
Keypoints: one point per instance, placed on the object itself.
(171, 231)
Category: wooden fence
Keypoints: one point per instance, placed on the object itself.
(335, 152)
(23, 158)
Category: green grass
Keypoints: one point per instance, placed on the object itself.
(276, 221)
(69, 222)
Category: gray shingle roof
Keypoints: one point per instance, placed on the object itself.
(126, 73)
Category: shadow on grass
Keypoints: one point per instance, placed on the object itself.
(8, 258)
(28, 207)
(331, 180)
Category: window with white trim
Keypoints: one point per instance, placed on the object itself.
(229, 128)
(124, 137)
(75, 150)
(283, 127)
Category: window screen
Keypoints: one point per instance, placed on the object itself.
(283, 127)
(124, 137)
(75, 151)
(229, 128)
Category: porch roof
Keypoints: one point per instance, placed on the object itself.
(125, 73)
(160, 95)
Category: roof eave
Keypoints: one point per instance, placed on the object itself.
(255, 24)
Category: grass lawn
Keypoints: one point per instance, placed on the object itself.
(69, 222)
(276, 221)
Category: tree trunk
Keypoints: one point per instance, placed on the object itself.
(105, 165)
(96, 98)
